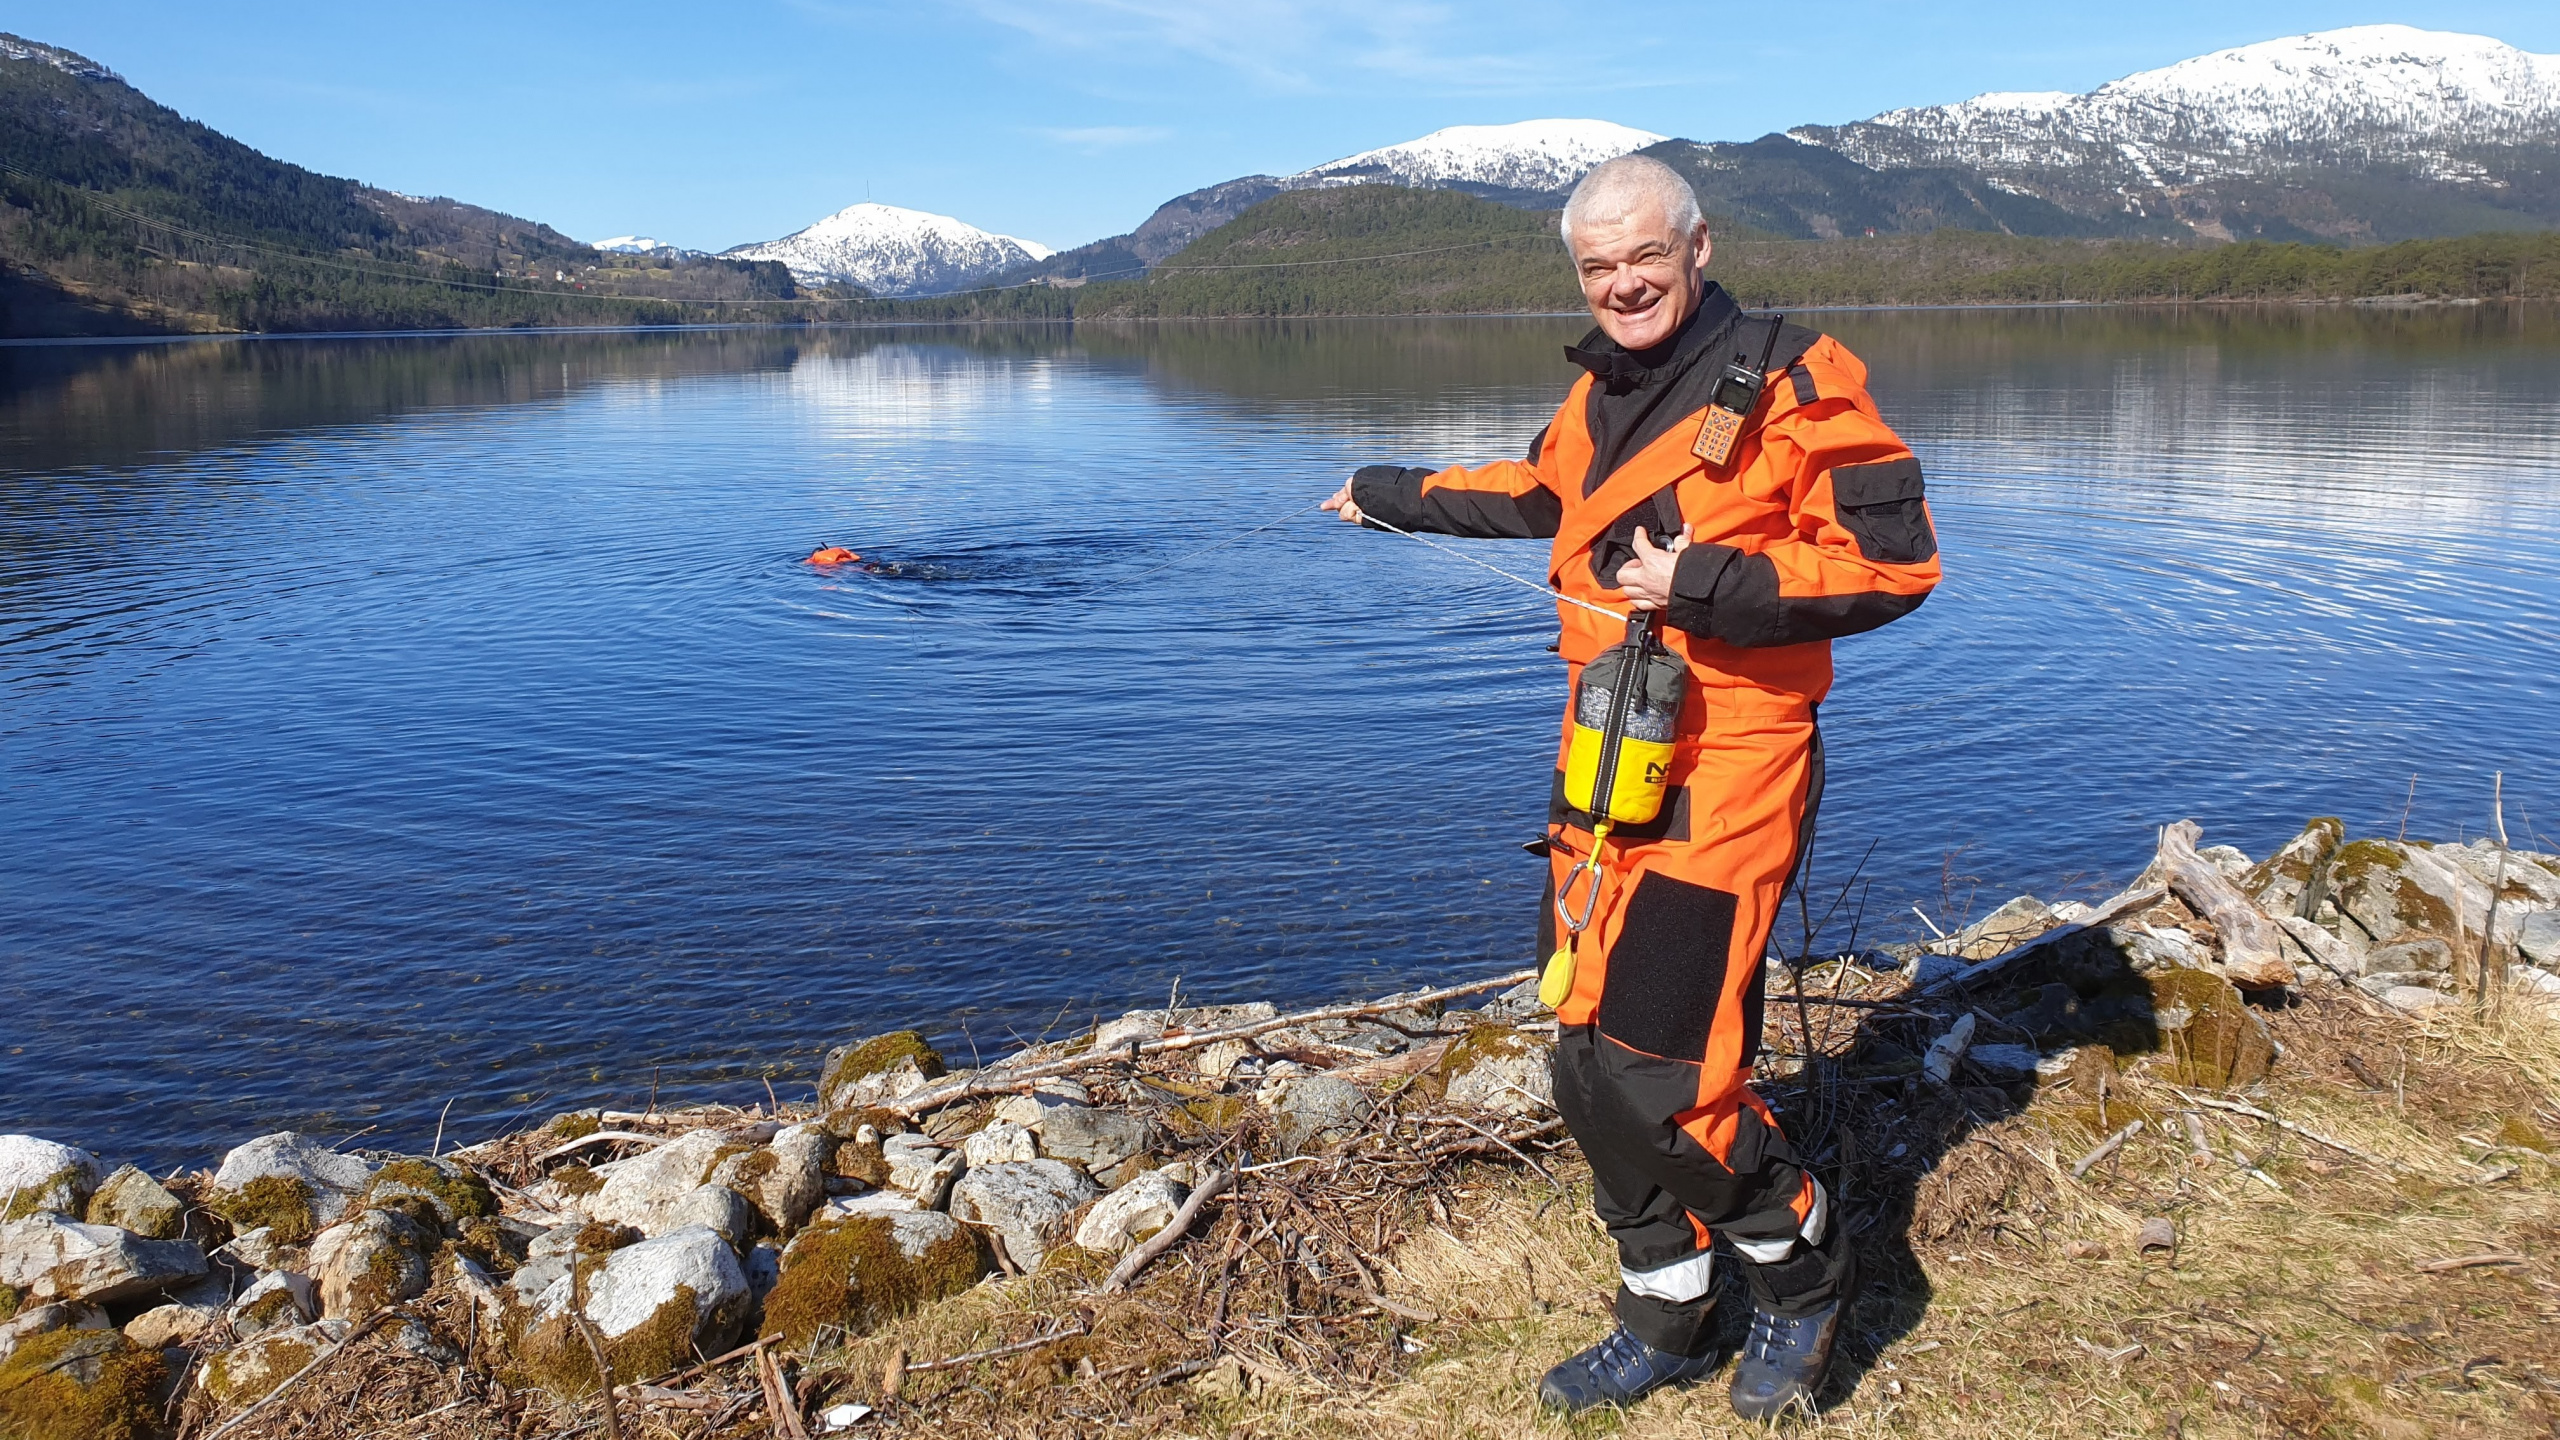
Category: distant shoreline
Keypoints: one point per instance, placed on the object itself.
(2372, 303)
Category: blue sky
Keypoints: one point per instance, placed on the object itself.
(1061, 120)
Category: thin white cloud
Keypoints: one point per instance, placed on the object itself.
(1094, 139)
(1301, 46)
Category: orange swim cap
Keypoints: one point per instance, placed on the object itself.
(833, 555)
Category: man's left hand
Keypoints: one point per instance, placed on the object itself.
(1647, 578)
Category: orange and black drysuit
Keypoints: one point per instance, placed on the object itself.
(1814, 528)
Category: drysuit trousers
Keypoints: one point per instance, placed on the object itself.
(1654, 1055)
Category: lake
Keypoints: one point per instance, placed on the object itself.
(389, 723)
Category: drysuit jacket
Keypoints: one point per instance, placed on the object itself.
(1815, 527)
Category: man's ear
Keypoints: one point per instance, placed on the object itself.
(1705, 246)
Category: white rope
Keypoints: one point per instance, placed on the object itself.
(1541, 587)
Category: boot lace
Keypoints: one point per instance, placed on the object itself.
(1620, 1350)
(1771, 1334)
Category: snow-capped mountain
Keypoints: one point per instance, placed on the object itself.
(631, 245)
(2427, 106)
(890, 251)
(1534, 156)
(1533, 163)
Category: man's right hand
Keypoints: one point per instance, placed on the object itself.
(1344, 505)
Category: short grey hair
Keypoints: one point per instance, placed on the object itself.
(1616, 189)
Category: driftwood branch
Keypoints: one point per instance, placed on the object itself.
(2307, 1133)
(600, 1137)
(1014, 1081)
(1019, 1347)
(1516, 1152)
(1164, 1239)
(2108, 912)
(2081, 1167)
(2252, 945)
(678, 1377)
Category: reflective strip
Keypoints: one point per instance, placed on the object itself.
(1679, 1282)
(1817, 1218)
(1765, 1252)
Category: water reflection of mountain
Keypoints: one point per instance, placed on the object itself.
(66, 407)
(2160, 382)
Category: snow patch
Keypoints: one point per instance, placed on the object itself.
(1536, 155)
(892, 251)
(60, 59)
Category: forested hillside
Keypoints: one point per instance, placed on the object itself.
(118, 215)
(1380, 250)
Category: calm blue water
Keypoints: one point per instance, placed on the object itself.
(392, 722)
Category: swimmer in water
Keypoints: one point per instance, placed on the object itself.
(828, 557)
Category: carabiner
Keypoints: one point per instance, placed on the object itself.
(1589, 864)
(1575, 925)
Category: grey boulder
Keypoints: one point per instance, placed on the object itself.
(1312, 1110)
(668, 1189)
(1096, 1139)
(1025, 1202)
(2538, 939)
(45, 1257)
(1131, 1213)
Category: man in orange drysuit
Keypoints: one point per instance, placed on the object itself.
(1813, 528)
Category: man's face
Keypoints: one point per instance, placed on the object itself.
(1639, 275)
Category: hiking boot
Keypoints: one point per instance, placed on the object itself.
(1620, 1370)
(1783, 1360)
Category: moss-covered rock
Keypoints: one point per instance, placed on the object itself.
(1496, 1067)
(651, 1306)
(2376, 884)
(277, 1300)
(131, 1200)
(447, 1193)
(571, 1125)
(883, 1067)
(381, 1257)
(576, 1180)
(243, 1374)
(290, 1183)
(81, 1385)
(281, 1205)
(785, 1179)
(2213, 1039)
(38, 1175)
(856, 1274)
(2294, 880)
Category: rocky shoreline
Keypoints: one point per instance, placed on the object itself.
(725, 1271)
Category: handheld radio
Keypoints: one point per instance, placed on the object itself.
(1737, 391)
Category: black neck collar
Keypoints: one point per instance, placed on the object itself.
(1619, 370)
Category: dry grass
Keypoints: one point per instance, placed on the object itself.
(2296, 1308)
